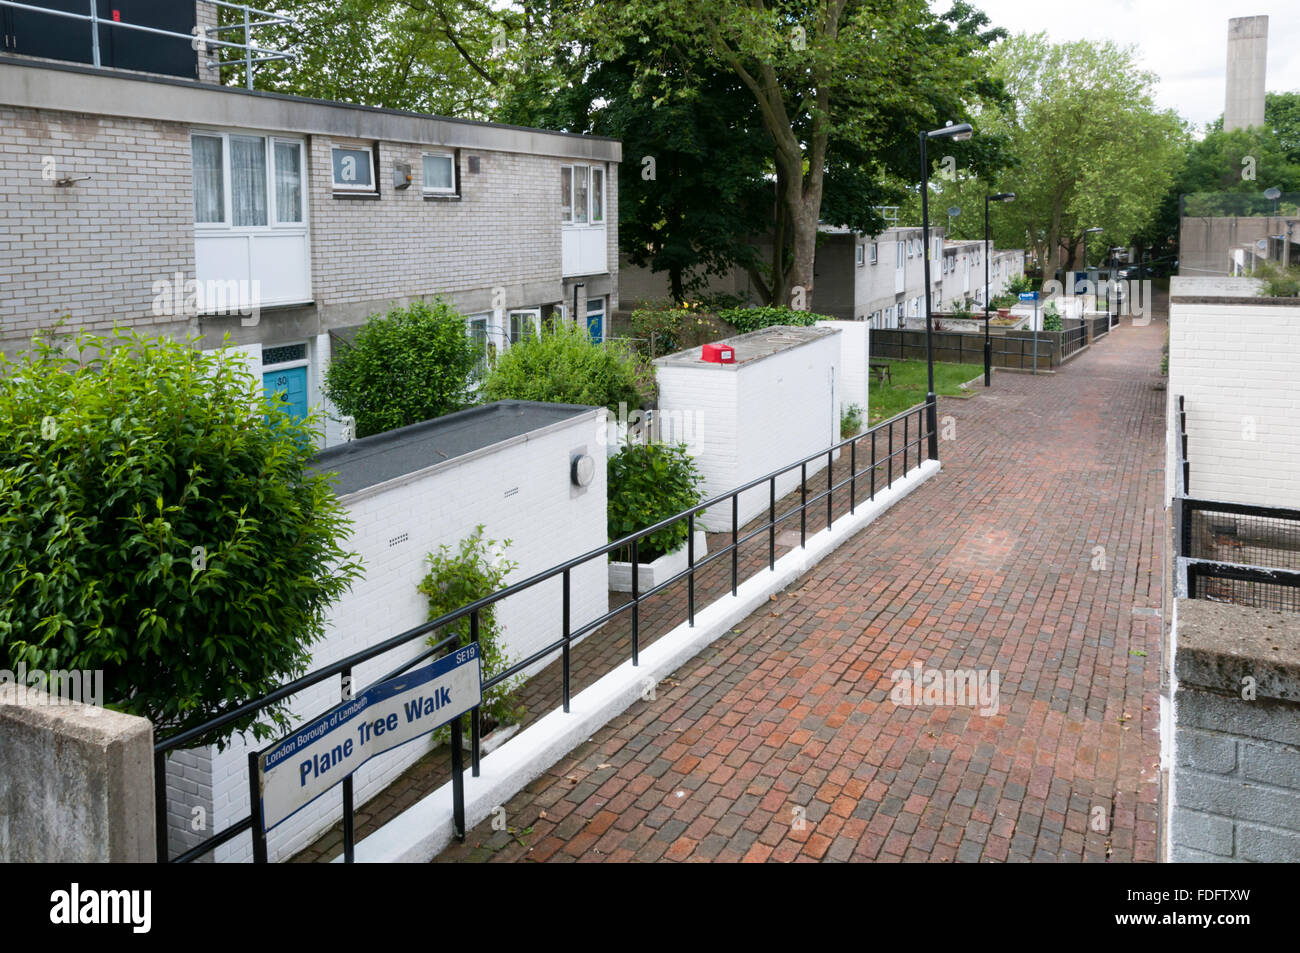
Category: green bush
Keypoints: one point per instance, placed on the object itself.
(1019, 284)
(159, 521)
(565, 366)
(413, 364)
(753, 319)
(1278, 282)
(663, 330)
(649, 482)
(850, 421)
(456, 579)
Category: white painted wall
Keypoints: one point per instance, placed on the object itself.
(757, 416)
(520, 490)
(1235, 366)
(855, 355)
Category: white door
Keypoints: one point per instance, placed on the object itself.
(900, 268)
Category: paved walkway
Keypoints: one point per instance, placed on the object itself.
(1035, 554)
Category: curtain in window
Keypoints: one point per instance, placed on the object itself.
(597, 195)
(248, 180)
(566, 194)
(437, 173)
(580, 173)
(288, 182)
(209, 195)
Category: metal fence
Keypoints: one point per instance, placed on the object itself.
(1074, 338)
(1016, 350)
(877, 459)
(1240, 553)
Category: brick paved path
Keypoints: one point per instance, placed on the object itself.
(988, 566)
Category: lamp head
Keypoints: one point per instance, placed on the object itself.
(1003, 197)
(958, 133)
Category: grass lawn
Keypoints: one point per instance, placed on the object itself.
(909, 386)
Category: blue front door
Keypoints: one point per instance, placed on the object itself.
(292, 384)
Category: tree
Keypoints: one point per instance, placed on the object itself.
(413, 364)
(160, 521)
(836, 74)
(1091, 149)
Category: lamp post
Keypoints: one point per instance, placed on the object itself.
(958, 133)
(988, 343)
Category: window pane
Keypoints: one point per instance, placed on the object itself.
(248, 180)
(597, 195)
(566, 194)
(352, 169)
(438, 174)
(209, 187)
(580, 173)
(288, 182)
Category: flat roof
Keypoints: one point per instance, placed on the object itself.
(753, 346)
(377, 459)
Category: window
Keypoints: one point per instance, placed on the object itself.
(354, 169)
(911, 249)
(439, 173)
(582, 194)
(480, 332)
(597, 195)
(861, 255)
(875, 252)
(234, 187)
(524, 324)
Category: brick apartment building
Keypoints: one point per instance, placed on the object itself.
(163, 201)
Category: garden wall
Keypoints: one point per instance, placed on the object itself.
(1011, 349)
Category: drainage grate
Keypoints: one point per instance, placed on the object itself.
(398, 539)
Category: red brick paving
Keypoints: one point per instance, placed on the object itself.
(987, 566)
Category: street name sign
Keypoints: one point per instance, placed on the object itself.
(319, 755)
(1029, 296)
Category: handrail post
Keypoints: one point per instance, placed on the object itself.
(735, 542)
(771, 528)
(873, 466)
(932, 418)
(803, 505)
(905, 439)
(476, 713)
(94, 32)
(636, 602)
(830, 487)
(160, 805)
(690, 577)
(349, 818)
(567, 631)
(457, 781)
(255, 810)
(853, 475)
(890, 468)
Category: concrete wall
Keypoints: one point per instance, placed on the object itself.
(1235, 756)
(855, 355)
(1246, 72)
(757, 416)
(520, 490)
(76, 782)
(1205, 243)
(1233, 360)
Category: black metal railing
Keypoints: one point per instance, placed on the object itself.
(1074, 338)
(872, 469)
(1241, 553)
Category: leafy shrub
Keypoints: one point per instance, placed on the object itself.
(850, 421)
(753, 319)
(412, 365)
(663, 330)
(455, 579)
(1278, 282)
(1052, 318)
(565, 366)
(1018, 285)
(159, 521)
(649, 482)
(961, 309)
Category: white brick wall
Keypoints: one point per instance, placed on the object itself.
(547, 521)
(855, 355)
(757, 416)
(1235, 365)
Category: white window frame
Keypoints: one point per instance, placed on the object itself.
(875, 252)
(603, 312)
(911, 248)
(534, 313)
(273, 222)
(372, 188)
(434, 190)
(591, 194)
(861, 255)
(587, 170)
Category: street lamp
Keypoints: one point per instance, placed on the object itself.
(958, 133)
(988, 344)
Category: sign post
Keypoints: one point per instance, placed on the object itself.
(1033, 296)
(300, 768)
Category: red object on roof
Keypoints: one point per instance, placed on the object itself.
(718, 354)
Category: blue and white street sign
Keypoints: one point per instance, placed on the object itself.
(1029, 296)
(317, 756)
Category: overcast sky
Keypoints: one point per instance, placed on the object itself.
(1184, 42)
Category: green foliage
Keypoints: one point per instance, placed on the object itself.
(649, 482)
(1052, 318)
(961, 309)
(753, 319)
(665, 329)
(159, 520)
(1278, 282)
(457, 578)
(850, 421)
(412, 365)
(1018, 285)
(565, 366)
